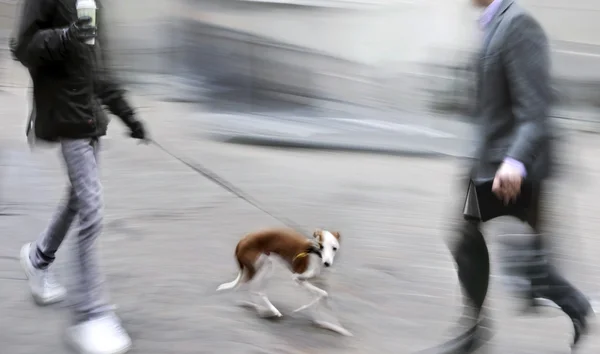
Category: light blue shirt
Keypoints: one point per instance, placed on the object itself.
(489, 13)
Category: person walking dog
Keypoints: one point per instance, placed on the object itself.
(71, 85)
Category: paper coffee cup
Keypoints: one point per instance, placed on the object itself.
(87, 8)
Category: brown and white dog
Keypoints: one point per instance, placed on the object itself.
(304, 257)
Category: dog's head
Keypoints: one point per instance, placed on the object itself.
(329, 243)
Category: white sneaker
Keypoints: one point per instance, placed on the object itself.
(103, 335)
(45, 289)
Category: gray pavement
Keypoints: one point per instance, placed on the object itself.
(170, 234)
(403, 134)
(253, 119)
(359, 129)
(244, 119)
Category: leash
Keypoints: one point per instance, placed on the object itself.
(215, 178)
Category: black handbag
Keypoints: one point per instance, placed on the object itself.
(482, 204)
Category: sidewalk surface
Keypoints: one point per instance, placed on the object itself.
(263, 121)
(397, 135)
(169, 238)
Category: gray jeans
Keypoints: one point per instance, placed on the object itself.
(88, 297)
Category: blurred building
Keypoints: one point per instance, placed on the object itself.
(392, 54)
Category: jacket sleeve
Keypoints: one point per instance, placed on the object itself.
(527, 63)
(112, 96)
(37, 43)
(108, 90)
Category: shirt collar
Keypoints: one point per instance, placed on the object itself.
(489, 13)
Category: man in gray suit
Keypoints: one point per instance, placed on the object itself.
(513, 159)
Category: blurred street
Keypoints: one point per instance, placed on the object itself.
(170, 234)
(400, 134)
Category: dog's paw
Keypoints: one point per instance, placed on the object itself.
(322, 293)
(315, 302)
(261, 310)
(302, 308)
(268, 313)
(247, 304)
(334, 327)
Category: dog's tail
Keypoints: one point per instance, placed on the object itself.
(232, 284)
(238, 280)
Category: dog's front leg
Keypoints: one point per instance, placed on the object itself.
(320, 293)
(313, 289)
(302, 280)
(310, 304)
(323, 303)
(320, 318)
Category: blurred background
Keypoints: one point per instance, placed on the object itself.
(379, 93)
(326, 57)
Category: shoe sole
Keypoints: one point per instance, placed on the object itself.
(25, 265)
(473, 338)
(592, 323)
(77, 348)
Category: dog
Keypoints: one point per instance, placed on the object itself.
(305, 258)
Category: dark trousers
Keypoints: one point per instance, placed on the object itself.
(531, 263)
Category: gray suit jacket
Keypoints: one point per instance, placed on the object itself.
(513, 95)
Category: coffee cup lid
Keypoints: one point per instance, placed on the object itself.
(87, 4)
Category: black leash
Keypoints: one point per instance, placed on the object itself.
(215, 178)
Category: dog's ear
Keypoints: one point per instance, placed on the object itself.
(336, 234)
(318, 234)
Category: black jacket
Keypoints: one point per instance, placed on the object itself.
(71, 82)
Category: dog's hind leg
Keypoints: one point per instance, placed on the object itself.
(258, 287)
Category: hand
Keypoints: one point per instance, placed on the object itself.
(138, 131)
(81, 30)
(507, 183)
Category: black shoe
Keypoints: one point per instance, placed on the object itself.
(571, 307)
(473, 333)
(581, 324)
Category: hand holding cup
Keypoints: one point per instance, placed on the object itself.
(82, 30)
(86, 11)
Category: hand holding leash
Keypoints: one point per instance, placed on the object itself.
(138, 131)
(13, 48)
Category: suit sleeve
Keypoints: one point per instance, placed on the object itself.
(36, 43)
(527, 65)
